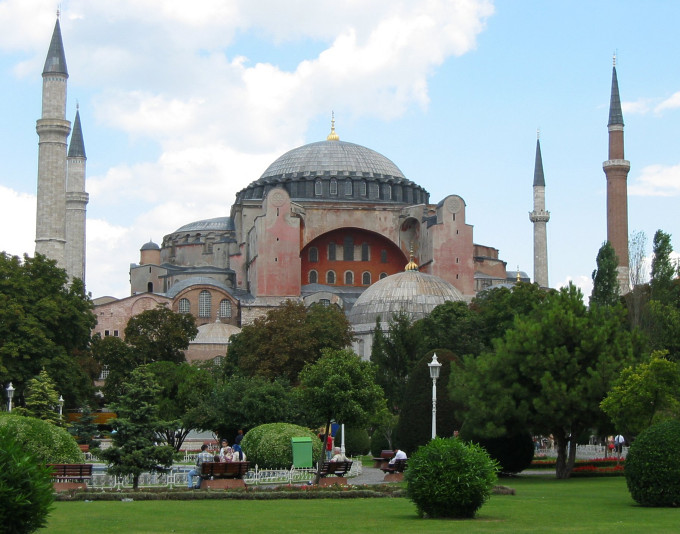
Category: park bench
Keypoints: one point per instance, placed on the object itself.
(394, 472)
(385, 456)
(70, 476)
(223, 475)
(338, 470)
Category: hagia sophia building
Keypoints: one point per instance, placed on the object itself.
(329, 222)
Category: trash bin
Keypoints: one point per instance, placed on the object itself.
(302, 451)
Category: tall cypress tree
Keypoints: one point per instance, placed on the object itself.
(605, 282)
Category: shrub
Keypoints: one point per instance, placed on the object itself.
(269, 446)
(357, 442)
(652, 467)
(450, 478)
(25, 487)
(48, 443)
(514, 453)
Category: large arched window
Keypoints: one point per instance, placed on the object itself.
(348, 188)
(334, 186)
(313, 254)
(366, 278)
(225, 308)
(313, 277)
(330, 277)
(349, 278)
(383, 275)
(184, 306)
(204, 303)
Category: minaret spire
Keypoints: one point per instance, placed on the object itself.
(76, 203)
(616, 169)
(540, 218)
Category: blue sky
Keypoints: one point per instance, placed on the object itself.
(181, 108)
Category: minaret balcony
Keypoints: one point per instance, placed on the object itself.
(539, 216)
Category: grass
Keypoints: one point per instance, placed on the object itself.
(542, 504)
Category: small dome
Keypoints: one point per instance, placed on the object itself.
(412, 292)
(150, 246)
(215, 333)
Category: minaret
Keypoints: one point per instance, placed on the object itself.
(539, 217)
(53, 130)
(616, 169)
(76, 203)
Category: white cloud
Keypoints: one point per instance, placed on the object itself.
(639, 107)
(17, 219)
(670, 103)
(657, 180)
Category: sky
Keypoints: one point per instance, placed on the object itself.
(183, 105)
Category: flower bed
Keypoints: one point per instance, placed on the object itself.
(594, 467)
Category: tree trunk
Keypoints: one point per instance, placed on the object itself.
(565, 458)
(317, 477)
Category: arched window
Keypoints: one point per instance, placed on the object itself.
(325, 302)
(334, 186)
(225, 308)
(313, 254)
(366, 278)
(149, 287)
(330, 277)
(364, 252)
(349, 278)
(318, 188)
(363, 188)
(383, 275)
(184, 306)
(348, 248)
(313, 277)
(331, 251)
(387, 191)
(348, 188)
(204, 304)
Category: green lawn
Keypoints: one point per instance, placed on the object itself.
(542, 504)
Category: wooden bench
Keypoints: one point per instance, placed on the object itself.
(223, 475)
(70, 476)
(338, 470)
(394, 472)
(385, 456)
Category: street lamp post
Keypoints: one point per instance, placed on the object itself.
(434, 366)
(10, 394)
(61, 406)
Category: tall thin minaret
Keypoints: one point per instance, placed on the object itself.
(53, 130)
(540, 217)
(76, 203)
(616, 169)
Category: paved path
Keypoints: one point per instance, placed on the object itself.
(369, 475)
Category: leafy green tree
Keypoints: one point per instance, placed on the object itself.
(118, 358)
(394, 355)
(340, 386)
(549, 373)
(497, 308)
(279, 344)
(44, 322)
(664, 271)
(47, 443)
(453, 326)
(42, 399)
(644, 394)
(605, 278)
(183, 391)
(134, 451)
(160, 335)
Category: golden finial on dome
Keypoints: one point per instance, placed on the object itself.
(519, 279)
(411, 265)
(333, 136)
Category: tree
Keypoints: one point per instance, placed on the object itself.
(44, 322)
(663, 270)
(285, 339)
(605, 278)
(453, 326)
(183, 390)
(118, 359)
(42, 399)
(84, 428)
(549, 373)
(644, 394)
(134, 450)
(639, 293)
(160, 335)
(340, 386)
(394, 355)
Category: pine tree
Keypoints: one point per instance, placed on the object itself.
(605, 282)
(42, 399)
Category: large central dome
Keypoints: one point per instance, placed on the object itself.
(337, 171)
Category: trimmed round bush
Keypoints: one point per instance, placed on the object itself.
(652, 467)
(513, 453)
(47, 443)
(449, 478)
(269, 446)
(26, 493)
(357, 442)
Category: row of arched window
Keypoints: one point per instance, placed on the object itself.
(331, 278)
(205, 306)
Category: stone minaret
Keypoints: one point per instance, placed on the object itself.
(616, 169)
(539, 217)
(76, 203)
(53, 130)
